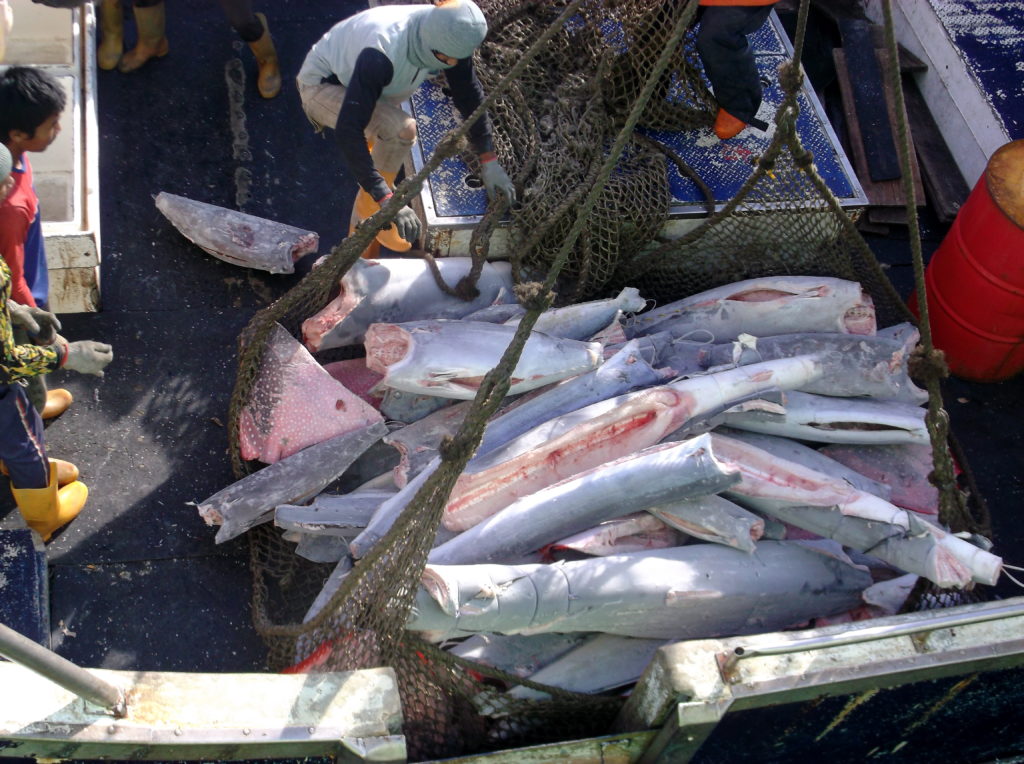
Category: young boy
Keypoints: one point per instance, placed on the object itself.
(47, 491)
(31, 102)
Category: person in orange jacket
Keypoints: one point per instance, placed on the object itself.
(729, 60)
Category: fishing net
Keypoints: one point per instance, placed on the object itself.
(569, 85)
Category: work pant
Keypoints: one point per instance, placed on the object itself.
(322, 103)
(21, 439)
(728, 58)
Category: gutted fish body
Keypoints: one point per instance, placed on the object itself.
(295, 403)
(690, 592)
(583, 320)
(632, 533)
(450, 358)
(400, 289)
(666, 472)
(236, 237)
(713, 518)
(765, 306)
(824, 419)
(854, 365)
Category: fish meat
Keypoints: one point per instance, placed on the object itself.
(354, 375)
(854, 365)
(903, 467)
(764, 306)
(633, 483)
(292, 480)
(567, 445)
(603, 662)
(295, 403)
(824, 419)
(585, 319)
(236, 237)
(399, 289)
(815, 459)
(696, 591)
(713, 518)
(632, 533)
(450, 358)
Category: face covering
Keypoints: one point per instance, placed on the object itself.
(455, 28)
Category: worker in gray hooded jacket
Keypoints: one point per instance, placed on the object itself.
(357, 74)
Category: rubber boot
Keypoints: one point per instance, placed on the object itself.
(108, 55)
(47, 509)
(269, 81)
(57, 402)
(66, 471)
(727, 126)
(150, 23)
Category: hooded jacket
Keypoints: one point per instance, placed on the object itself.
(386, 53)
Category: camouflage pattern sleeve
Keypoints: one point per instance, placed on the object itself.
(21, 361)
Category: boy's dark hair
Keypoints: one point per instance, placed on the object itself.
(28, 97)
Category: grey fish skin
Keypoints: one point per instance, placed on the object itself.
(252, 500)
(236, 237)
(824, 419)
(582, 320)
(497, 314)
(696, 591)
(853, 365)
(771, 305)
(714, 519)
(400, 289)
(657, 474)
(331, 515)
(516, 653)
(450, 358)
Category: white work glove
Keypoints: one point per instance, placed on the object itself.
(87, 356)
(496, 180)
(42, 326)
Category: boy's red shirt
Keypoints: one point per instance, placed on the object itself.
(17, 212)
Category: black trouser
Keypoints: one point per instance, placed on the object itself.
(728, 58)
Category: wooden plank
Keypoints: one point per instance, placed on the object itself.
(887, 193)
(868, 92)
(945, 184)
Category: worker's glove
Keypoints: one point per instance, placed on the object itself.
(407, 223)
(496, 180)
(87, 356)
(42, 326)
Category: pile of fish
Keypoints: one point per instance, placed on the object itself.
(746, 459)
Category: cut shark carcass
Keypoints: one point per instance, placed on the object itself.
(712, 518)
(824, 419)
(236, 237)
(764, 306)
(830, 507)
(690, 592)
(633, 483)
(854, 365)
(585, 319)
(401, 289)
(450, 358)
(295, 403)
(604, 431)
(632, 533)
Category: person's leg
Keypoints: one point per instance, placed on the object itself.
(321, 103)
(21, 439)
(253, 29)
(728, 58)
(390, 134)
(151, 42)
(108, 55)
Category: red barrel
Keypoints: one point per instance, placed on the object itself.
(975, 279)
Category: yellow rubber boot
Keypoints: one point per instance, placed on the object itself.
(47, 509)
(108, 55)
(269, 81)
(66, 471)
(57, 402)
(150, 23)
